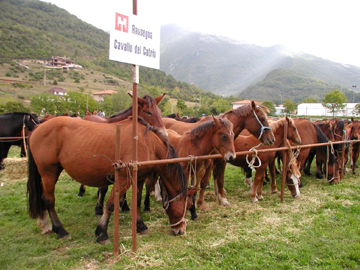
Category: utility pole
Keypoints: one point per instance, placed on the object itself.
(354, 86)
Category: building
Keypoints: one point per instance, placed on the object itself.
(57, 91)
(317, 109)
(99, 96)
(62, 62)
(240, 103)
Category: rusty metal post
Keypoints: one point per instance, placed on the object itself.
(134, 147)
(285, 165)
(117, 192)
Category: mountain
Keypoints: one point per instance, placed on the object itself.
(227, 67)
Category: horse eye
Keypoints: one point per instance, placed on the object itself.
(224, 137)
(149, 113)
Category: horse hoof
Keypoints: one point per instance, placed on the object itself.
(254, 200)
(195, 217)
(274, 191)
(260, 198)
(144, 232)
(66, 237)
(103, 242)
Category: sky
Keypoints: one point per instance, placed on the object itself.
(328, 29)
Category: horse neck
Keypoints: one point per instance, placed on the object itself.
(237, 121)
(278, 131)
(201, 145)
(122, 116)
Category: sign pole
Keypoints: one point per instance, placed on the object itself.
(135, 145)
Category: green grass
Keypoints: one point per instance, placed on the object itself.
(319, 230)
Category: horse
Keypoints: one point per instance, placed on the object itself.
(148, 110)
(352, 133)
(250, 117)
(327, 129)
(14, 125)
(86, 151)
(262, 160)
(212, 136)
(312, 134)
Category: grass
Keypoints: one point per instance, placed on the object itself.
(319, 230)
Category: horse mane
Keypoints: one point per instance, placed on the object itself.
(245, 110)
(325, 148)
(188, 120)
(340, 125)
(278, 123)
(202, 129)
(171, 153)
(149, 101)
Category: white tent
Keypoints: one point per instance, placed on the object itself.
(317, 109)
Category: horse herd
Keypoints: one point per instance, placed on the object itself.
(85, 150)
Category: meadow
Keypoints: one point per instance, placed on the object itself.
(318, 230)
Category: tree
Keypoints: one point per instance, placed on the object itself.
(357, 109)
(289, 106)
(309, 100)
(334, 101)
(270, 105)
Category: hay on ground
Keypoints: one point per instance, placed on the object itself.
(15, 171)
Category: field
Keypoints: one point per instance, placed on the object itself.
(319, 230)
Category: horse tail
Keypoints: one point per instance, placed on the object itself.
(34, 189)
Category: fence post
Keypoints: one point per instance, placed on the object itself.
(285, 165)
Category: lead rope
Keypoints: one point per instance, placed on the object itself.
(254, 158)
(192, 170)
(327, 162)
(24, 139)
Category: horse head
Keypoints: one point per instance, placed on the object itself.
(31, 121)
(292, 131)
(149, 111)
(258, 125)
(293, 177)
(352, 129)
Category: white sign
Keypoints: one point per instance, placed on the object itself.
(135, 40)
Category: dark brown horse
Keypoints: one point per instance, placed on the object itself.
(327, 128)
(245, 143)
(250, 117)
(352, 133)
(312, 134)
(13, 125)
(86, 150)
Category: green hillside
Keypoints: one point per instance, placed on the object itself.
(33, 31)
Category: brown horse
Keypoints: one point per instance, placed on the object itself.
(312, 134)
(148, 110)
(244, 143)
(86, 151)
(327, 128)
(212, 136)
(352, 133)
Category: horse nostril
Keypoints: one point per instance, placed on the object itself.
(231, 159)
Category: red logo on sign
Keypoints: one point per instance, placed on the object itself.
(121, 20)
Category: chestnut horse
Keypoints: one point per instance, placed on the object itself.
(311, 134)
(211, 136)
(250, 117)
(245, 143)
(148, 110)
(86, 151)
(352, 133)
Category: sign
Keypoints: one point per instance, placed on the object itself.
(134, 40)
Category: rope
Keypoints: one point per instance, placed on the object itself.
(192, 170)
(24, 139)
(254, 158)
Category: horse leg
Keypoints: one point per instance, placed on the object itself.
(81, 190)
(272, 171)
(204, 175)
(4, 149)
(100, 201)
(44, 223)
(319, 172)
(254, 189)
(248, 177)
(218, 174)
(140, 225)
(124, 205)
(308, 162)
(48, 197)
(149, 185)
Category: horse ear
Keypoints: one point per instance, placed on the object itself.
(253, 105)
(216, 121)
(159, 99)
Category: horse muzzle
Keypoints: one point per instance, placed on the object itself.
(230, 156)
(179, 231)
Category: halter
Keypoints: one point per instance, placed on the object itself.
(262, 127)
(176, 198)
